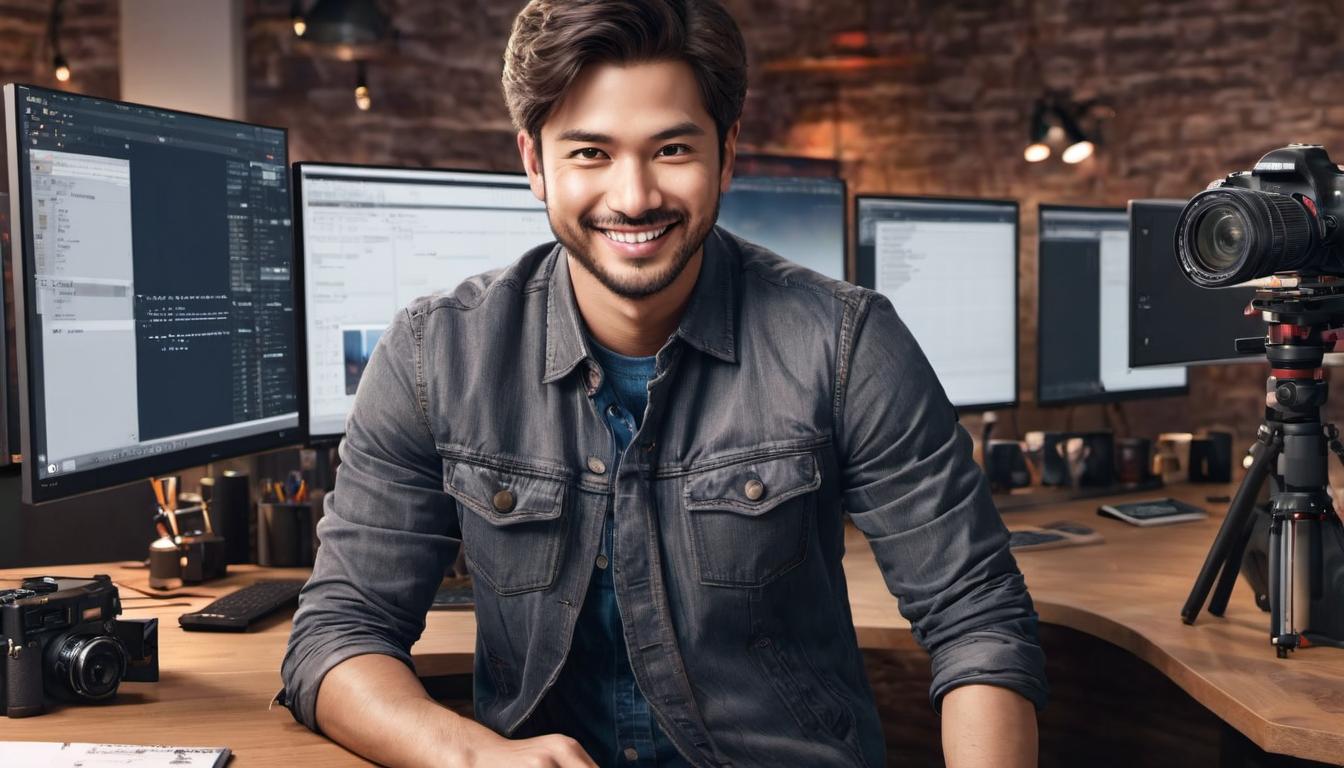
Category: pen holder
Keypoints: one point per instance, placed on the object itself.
(285, 534)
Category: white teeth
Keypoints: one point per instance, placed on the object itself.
(634, 237)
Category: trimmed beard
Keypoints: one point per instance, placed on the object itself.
(644, 283)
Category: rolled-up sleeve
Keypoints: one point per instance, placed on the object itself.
(913, 488)
(387, 534)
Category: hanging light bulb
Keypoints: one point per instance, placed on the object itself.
(296, 16)
(1038, 149)
(363, 99)
(60, 68)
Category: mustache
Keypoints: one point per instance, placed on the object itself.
(649, 219)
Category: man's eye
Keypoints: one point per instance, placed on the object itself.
(673, 150)
(588, 153)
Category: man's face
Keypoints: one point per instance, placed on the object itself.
(631, 173)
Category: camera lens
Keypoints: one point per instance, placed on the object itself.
(88, 667)
(1229, 235)
(1221, 237)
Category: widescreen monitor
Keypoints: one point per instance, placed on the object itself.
(1082, 330)
(801, 219)
(373, 239)
(1173, 322)
(154, 289)
(949, 266)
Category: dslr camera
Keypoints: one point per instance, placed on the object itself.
(61, 637)
(1282, 216)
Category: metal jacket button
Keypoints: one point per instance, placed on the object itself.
(503, 500)
(596, 466)
(602, 562)
(754, 490)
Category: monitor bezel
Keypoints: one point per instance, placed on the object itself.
(1104, 397)
(326, 439)
(845, 262)
(35, 489)
(864, 277)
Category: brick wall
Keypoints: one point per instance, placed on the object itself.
(1200, 87)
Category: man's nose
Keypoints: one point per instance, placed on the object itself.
(633, 191)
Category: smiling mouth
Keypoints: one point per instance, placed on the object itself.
(634, 238)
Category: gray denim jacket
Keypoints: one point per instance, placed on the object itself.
(783, 401)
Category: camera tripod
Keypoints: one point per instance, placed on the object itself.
(1306, 540)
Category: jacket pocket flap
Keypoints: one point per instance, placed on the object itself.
(753, 487)
(504, 498)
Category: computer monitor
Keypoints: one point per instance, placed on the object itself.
(801, 219)
(949, 266)
(153, 287)
(1082, 330)
(1175, 322)
(373, 239)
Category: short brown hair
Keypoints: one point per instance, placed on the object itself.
(553, 40)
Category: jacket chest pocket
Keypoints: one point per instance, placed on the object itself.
(750, 521)
(513, 524)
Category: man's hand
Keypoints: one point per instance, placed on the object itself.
(375, 706)
(985, 725)
(554, 751)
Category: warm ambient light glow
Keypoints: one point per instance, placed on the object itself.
(1037, 152)
(300, 26)
(1078, 152)
(362, 98)
(62, 70)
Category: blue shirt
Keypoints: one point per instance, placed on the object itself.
(596, 699)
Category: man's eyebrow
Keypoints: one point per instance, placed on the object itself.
(679, 130)
(585, 137)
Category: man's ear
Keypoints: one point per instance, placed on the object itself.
(531, 156)
(729, 156)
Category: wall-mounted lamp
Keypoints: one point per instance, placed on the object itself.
(1056, 119)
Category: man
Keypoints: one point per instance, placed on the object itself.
(646, 437)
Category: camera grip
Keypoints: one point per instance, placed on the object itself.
(23, 680)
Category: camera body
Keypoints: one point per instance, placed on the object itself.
(61, 637)
(1282, 217)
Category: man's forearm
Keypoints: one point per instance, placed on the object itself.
(985, 725)
(375, 706)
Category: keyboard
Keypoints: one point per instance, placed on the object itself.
(238, 610)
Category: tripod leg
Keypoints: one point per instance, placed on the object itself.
(1234, 525)
(1227, 578)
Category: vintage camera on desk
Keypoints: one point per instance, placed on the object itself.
(62, 637)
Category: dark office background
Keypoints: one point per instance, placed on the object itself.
(937, 102)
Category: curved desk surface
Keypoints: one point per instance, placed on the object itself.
(215, 688)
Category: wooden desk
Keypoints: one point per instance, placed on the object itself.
(215, 688)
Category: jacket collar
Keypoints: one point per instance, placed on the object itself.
(708, 324)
